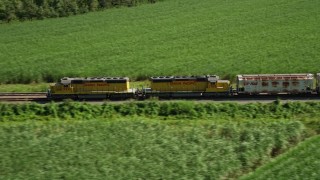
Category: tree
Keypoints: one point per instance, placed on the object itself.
(93, 5)
(102, 4)
(28, 10)
(3, 11)
(83, 6)
(67, 7)
(8, 10)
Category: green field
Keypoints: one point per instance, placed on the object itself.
(302, 162)
(167, 38)
(154, 139)
(134, 148)
(148, 140)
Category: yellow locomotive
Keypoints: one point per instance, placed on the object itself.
(92, 88)
(188, 86)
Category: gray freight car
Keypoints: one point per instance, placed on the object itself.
(275, 83)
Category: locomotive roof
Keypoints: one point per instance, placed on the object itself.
(182, 78)
(93, 78)
(67, 80)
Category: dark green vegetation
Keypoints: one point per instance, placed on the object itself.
(306, 112)
(147, 140)
(302, 162)
(166, 38)
(40, 9)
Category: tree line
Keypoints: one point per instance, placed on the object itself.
(40, 9)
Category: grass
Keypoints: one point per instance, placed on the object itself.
(34, 87)
(302, 162)
(176, 37)
(68, 110)
(137, 148)
(148, 140)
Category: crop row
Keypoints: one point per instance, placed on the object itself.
(140, 149)
(178, 37)
(302, 162)
(179, 109)
(163, 110)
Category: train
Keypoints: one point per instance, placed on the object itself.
(203, 86)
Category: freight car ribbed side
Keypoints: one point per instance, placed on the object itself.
(275, 83)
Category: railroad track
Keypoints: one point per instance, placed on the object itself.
(41, 98)
(17, 97)
(22, 93)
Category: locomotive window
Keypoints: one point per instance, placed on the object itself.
(76, 81)
(96, 81)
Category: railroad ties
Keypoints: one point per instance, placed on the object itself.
(23, 97)
(40, 97)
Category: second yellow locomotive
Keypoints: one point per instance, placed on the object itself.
(188, 86)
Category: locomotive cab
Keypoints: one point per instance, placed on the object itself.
(61, 89)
